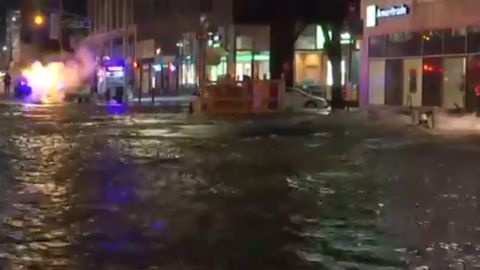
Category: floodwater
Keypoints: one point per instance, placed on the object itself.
(108, 188)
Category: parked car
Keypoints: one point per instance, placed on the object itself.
(316, 90)
(298, 99)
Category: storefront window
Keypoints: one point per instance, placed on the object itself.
(330, 74)
(412, 44)
(244, 43)
(188, 73)
(243, 64)
(260, 68)
(218, 71)
(432, 81)
(395, 44)
(308, 68)
(473, 39)
(473, 80)
(307, 39)
(376, 46)
(454, 82)
(454, 40)
(432, 42)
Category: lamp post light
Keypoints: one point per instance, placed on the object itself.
(39, 20)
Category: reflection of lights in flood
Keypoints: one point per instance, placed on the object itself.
(116, 109)
(119, 194)
(159, 224)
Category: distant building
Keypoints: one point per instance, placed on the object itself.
(11, 48)
(166, 47)
(12, 40)
(113, 28)
(33, 41)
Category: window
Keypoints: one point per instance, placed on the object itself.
(473, 80)
(454, 40)
(412, 44)
(307, 39)
(473, 33)
(395, 44)
(432, 42)
(454, 82)
(376, 46)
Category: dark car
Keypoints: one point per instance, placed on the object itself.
(22, 89)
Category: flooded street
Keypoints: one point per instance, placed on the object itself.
(108, 188)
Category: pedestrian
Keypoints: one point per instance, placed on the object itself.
(7, 82)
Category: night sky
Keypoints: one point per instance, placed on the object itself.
(74, 6)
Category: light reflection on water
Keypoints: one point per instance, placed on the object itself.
(85, 190)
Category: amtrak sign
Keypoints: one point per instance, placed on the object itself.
(374, 13)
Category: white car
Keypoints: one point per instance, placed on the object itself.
(298, 99)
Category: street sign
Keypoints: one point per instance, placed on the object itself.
(76, 24)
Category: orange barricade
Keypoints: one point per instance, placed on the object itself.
(255, 97)
(268, 96)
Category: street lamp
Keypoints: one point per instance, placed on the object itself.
(39, 20)
(4, 48)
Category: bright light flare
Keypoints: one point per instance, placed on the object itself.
(39, 20)
(44, 81)
(52, 81)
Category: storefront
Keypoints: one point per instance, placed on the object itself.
(312, 66)
(249, 56)
(253, 65)
(421, 53)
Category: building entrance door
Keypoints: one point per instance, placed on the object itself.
(432, 82)
(394, 82)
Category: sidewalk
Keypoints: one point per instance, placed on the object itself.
(447, 122)
(164, 100)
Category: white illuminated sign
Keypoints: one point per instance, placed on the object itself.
(374, 13)
(371, 16)
(393, 11)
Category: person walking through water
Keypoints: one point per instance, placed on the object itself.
(7, 82)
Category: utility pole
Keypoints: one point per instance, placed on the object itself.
(60, 27)
(202, 51)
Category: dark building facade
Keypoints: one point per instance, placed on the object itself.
(246, 38)
(52, 34)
